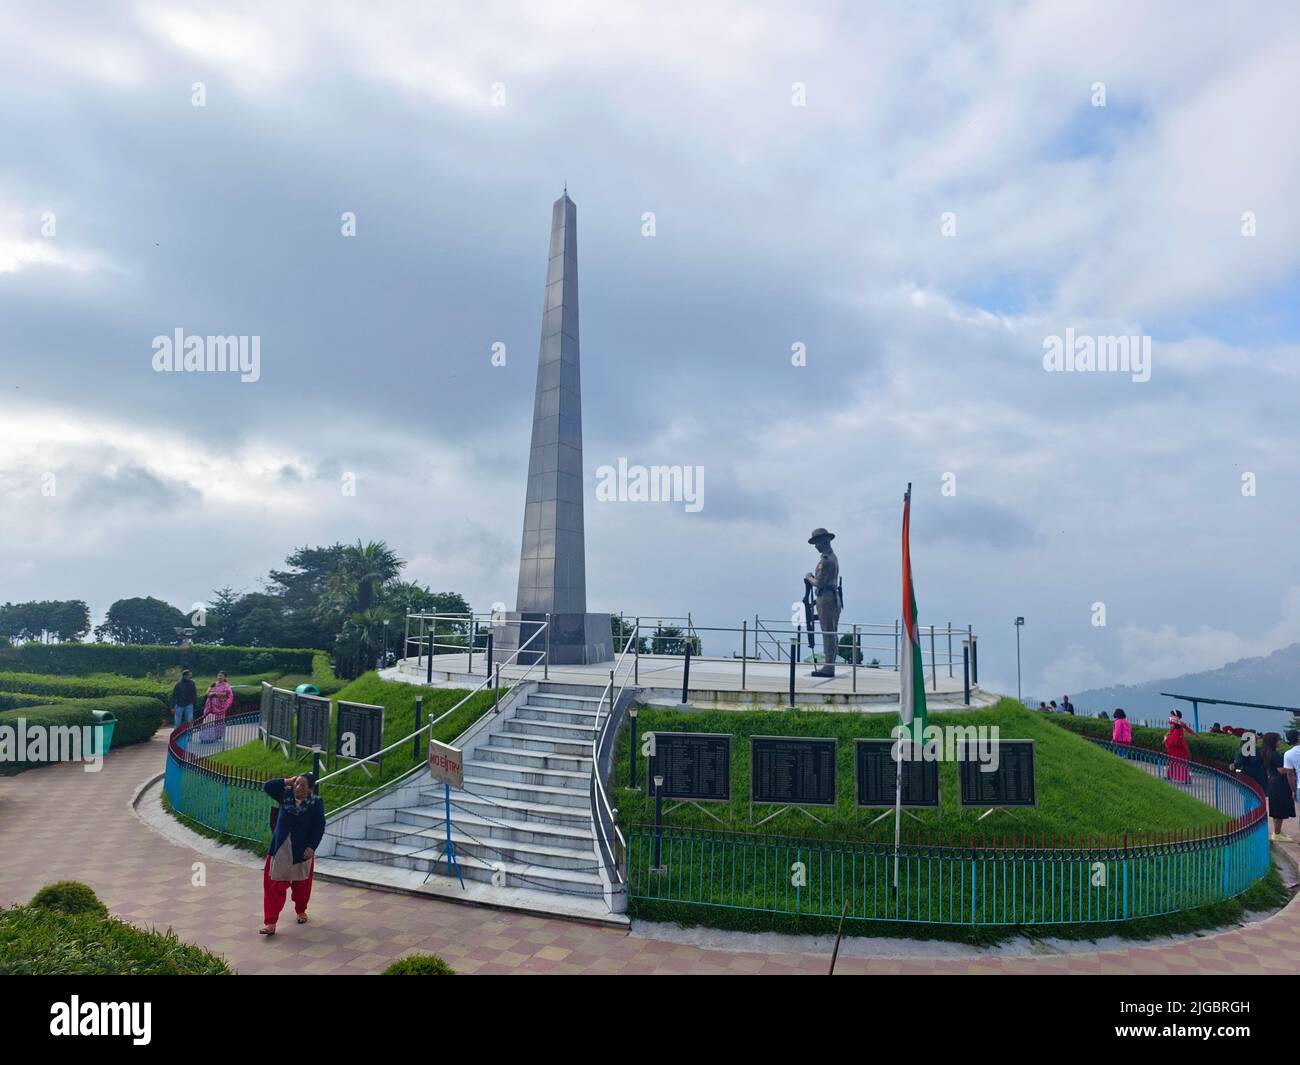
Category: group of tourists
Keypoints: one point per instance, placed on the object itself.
(217, 702)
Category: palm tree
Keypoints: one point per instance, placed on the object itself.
(371, 565)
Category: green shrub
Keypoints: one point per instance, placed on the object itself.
(420, 965)
(139, 660)
(41, 942)
(68, 896)
(18, 700)
(89, 687)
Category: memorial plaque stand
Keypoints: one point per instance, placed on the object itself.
(780, 811)
(692, 802)
(994, 810)
(887, 813)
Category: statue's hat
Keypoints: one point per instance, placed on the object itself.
(819, 534)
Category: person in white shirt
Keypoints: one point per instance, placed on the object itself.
(1291, 760)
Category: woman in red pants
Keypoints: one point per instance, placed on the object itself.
(291, 861)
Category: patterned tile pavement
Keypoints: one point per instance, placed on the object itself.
(63, 823)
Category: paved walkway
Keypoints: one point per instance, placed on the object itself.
(63, 823)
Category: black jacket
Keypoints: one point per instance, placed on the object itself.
(184, 693)
(304, 825)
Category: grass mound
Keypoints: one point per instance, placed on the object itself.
(1083, 790)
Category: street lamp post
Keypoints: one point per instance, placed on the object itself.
(1019, 623)
(385, 643)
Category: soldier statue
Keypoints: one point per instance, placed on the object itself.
(824, 583)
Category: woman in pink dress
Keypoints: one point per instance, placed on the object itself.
(1176, 747)
(1123, 731)
(216, 705)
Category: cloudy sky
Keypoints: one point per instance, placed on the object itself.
(917, 194)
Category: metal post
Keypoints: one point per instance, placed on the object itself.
(744, 651)
(853, 650)
(472, 634)
(406, 637)
(965, 670)
(950, 650)
(631, 752)
(1019, 699)
(496, 702)
(611, 693)
(636, 654)
(428, 676)
(488, 673)
(546, 662)
(686, 672)
(315, 765)
(794, 650)
(934, 668)
(974, 661)
(1196, 718)
(897, 665)
(659, 824)
(419, 723)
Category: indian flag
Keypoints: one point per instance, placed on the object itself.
(911, 692)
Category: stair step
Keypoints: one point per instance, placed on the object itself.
(592, 704)
(559, 729)
(532, 741)
(544, 794)
(467, 841)
(527, 712)
(472, 867)
(523, 774)
(523, 758)
(512, 809)
(568, 834)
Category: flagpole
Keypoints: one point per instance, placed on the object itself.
(898, 747)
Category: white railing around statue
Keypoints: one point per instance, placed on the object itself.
(604, 816)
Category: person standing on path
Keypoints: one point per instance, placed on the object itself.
(1121, 731)
(183, 695)
(216, 704)
(1280, 789)
(291, 861)
(1176, 748)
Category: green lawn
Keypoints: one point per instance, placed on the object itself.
(1082, 789)
(398, 701)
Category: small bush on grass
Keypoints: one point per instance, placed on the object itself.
(420, 965)
(68, 896)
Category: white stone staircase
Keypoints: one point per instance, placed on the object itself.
(523, 820)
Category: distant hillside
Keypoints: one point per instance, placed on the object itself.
(1273, 679)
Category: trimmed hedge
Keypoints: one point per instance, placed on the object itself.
(39, 940)
(1203, 746)
(19, 700)
(139, 660)
(138, 718)
(64, 688)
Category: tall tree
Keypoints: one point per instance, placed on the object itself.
(145, 620)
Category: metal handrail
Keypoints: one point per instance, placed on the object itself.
(427, 727)
(598, 738)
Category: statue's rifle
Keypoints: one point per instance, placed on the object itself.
(809, 619)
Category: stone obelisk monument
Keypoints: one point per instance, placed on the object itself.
(552, 560)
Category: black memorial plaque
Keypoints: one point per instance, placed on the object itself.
(279, 725)
(1011, 784)
(877, 777)
(365, 724)
(696, 766)
(792, 770)
(313, 722)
